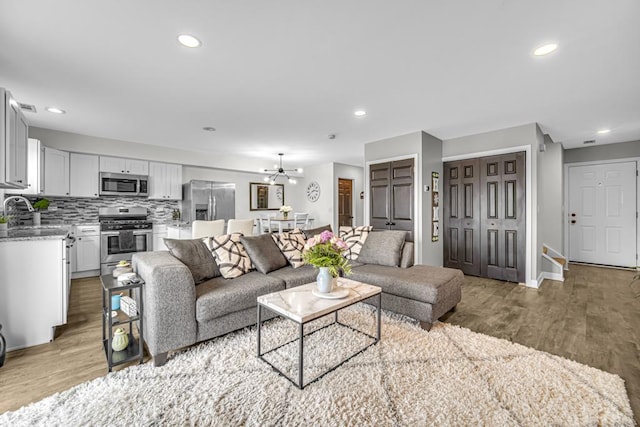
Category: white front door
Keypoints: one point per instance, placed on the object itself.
(602, 214)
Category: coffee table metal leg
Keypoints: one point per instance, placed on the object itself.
(301, 355)
(379, 310)
(259, 327)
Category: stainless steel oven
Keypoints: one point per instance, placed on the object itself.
(123, 232)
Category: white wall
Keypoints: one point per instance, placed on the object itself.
(594, 153)
(550, 200)
(356, 174)
(432, 252)
(396, 147)
(321, 210)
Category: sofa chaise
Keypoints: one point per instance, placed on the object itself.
(187, 299)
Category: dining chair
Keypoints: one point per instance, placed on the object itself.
(301, 220)
(265, 223)
(244, 226)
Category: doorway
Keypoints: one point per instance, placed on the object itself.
(345, 202)
(602, 213)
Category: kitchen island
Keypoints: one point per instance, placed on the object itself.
(34, 284)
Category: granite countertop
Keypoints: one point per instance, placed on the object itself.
(178, 225)
(35, 233)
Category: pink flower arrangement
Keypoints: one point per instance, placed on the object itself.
(325, 250)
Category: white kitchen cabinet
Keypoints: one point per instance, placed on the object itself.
(13, 143)
(56, 172)
(35, 165)
(87, 251)
(165, 181)
(122, 165)
(84, 175)
(34, 290)
(159, 233)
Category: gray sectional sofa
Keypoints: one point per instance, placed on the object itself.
(179, 312)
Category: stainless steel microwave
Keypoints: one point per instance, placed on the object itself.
(117, 184)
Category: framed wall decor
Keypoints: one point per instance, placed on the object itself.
(435, 206)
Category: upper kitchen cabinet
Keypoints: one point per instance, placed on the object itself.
(35, 169)
(85, 175)
(13, 143)
(165, 181)
(56, 172)
(122, 165)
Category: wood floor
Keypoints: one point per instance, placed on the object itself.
(593, 318)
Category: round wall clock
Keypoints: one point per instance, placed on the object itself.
(313, 191)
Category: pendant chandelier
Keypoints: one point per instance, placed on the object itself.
(279, 171)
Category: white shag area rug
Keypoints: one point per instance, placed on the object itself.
(449, 376)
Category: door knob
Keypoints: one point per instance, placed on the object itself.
(573, 214)
(573, 221)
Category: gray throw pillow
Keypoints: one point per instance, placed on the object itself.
(383, 248)
(196, 256)
(264, 253)
(310, 233)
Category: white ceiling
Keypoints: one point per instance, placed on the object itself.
(277, 76)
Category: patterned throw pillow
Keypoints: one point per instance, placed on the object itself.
(291, 245)
(354, 237)
(233, 260)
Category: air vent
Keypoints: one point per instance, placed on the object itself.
(28, 107)
(590, 141)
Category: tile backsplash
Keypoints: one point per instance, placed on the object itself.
(79, 210)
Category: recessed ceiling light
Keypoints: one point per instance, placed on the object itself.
(209, 129)
(189, 41)
(545, 49)
(603, 131)
(360, 113)
(55, 110)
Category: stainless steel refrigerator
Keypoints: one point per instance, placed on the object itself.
(208, 201)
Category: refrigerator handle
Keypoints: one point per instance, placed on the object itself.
(214, 208)
(209, 209)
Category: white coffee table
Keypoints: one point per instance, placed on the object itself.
(301, 306)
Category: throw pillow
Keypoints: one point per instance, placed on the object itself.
(231, 257)
(354, 237)
(314, 231)
(264, 253)
(195, 255)
(291, 244)
(383, 248)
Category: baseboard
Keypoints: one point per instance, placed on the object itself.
(551, 276)
(83, 274)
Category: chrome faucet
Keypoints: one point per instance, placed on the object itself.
(17, 198)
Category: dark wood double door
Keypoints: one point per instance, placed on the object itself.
(391, 196)
(484, 216)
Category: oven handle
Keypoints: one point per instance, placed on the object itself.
(117, 233)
